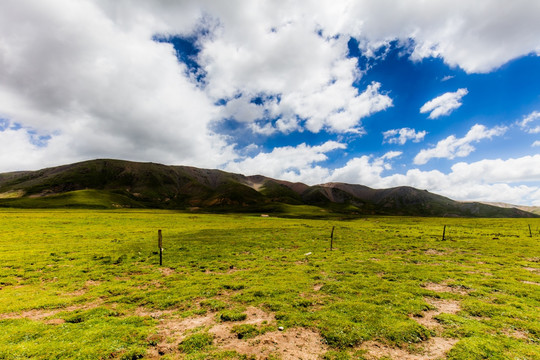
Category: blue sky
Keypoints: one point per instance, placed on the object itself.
(443, 96)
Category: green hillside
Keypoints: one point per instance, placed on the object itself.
(107, 183)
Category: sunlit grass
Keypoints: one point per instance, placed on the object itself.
(94, 269)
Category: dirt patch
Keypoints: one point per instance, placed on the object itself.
(317, 287)
(530, 282)
(442, 306)
(172, 330)
(434, 348)
(516, 334)
(531, 269)
(154, 284)
(79, 292)
(167, 271)
(290, 344)
(433, 252)
(445, 288)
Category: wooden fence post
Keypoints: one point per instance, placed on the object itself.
(444, 232)
(160, 244)
(332, 239)
(530, 232)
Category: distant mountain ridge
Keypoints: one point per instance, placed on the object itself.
(107, 183)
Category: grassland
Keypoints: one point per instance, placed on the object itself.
(87, 284)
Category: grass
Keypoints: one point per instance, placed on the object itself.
(72, 282)
(84, 199)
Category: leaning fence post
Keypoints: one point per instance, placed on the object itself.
(444, 232)
(332, 239)
(160, 244)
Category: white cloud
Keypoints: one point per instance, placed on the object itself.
(443, 105)
(88, 74)
(485, 180)
(495, 180)
(105, 90)
(476, 36)
(527, 120)
(311, 75)
(288, 162)
(453, 147)
(536, 143)
(392, 154)
(403, 135)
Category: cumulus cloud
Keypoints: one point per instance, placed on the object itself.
(293, 163)
(485, 180)
(512, 180)
(68, 71)
(401, 136)
(310, 75)
(536, 143)
(453, 147)
(476, 36)
(443, 105)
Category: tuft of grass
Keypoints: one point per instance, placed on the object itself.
(248, 331)
(213, 305)
(232, 315)
(196, 343)
(245, 331)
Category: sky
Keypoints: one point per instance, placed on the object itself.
(439, 95)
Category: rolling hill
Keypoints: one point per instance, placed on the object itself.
(107, 183)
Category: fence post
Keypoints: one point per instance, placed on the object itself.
(332, 239)
(444, 232)
(160, 244)
(530, 232)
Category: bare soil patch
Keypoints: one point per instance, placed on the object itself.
(167, 271)
(433, 252)
(434, 348)
(445, 288)
(172, 330)
(291, 344)
(516, 334)
(442, 306)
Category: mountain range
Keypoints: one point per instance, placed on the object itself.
(107, 183)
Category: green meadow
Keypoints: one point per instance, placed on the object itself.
(87, 284)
